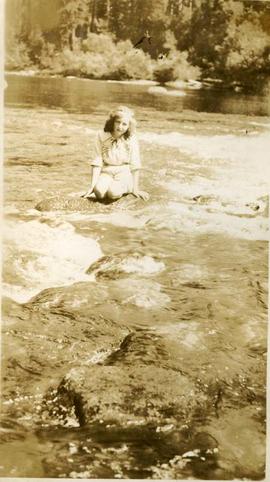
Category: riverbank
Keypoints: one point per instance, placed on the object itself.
(179, 85)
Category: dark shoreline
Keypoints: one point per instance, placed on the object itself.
(204, 84)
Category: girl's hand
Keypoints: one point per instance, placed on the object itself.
(141, 194)
(88, 193)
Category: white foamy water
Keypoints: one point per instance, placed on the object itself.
(144, 265)
(141, 293)
(38, 256)
(179, 217)
(239, 164)
(233, 217)
(233, 192)
(227, 147)
(228, 176)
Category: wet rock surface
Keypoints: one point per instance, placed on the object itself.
(99, 384)
(38, 339)
(148, 394)
(118, 266)
(166, 420)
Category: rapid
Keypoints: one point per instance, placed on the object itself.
(134, 334)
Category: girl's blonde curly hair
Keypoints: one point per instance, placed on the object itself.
(118, 113)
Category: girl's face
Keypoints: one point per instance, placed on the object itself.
(121, 125)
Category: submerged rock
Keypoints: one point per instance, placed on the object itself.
(202, 199)
(157, 90)
(261, 206)
(68, 203)
(117, 266)
(59, 203)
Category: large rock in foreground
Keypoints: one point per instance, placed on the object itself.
(129, 395)
(39, 342)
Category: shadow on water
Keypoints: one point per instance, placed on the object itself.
(138, 452)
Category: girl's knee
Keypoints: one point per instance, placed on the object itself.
(102, 185)
(114, 193)
(100, 193)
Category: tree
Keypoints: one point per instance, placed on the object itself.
(72, 14)
(248, 58)
(119, 21)
(180, 24)
(208, 31)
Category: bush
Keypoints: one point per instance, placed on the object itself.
(17, 54)
(247, 59)
(36, 43)
(100, 58)
(99, 43)
(136, 64)
(18, 58)
(175, 66)
(120, 60)
(248, 42)
(48, 57)
(81, 64)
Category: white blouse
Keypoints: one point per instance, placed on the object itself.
(116, 152)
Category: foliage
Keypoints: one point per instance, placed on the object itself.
(72, 13)
(36, 44)
(180, 25)
(102, 58)
(174, 65)
(129, 19)
(228, 42)
(247, 44)
(17, 53)
(248, 59)
(17, 58)
(94, 38)
(208, 32)
(136, 64)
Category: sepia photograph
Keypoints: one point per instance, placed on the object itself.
(135, 229)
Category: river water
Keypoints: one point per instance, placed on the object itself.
(134, 333)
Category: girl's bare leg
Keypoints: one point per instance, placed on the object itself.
(116, 190)
(102, 186)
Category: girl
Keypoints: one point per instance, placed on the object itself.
(115, 169)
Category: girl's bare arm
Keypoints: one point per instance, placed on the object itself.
(95, 175)
(142, 194)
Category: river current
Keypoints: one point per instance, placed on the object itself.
(134, 333)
